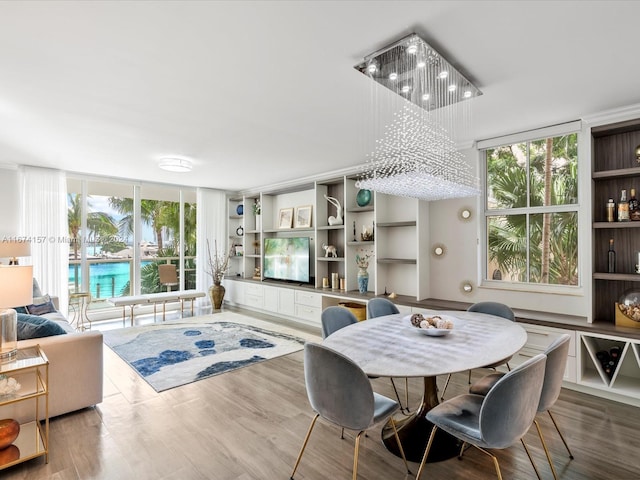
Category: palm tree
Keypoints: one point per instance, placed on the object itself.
(98, 223)
(151, 213)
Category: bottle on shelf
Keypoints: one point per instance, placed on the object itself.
(611, 258)
(634, 207)
(623, 207)
(611, 210)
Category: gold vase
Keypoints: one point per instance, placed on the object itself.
(216, 293)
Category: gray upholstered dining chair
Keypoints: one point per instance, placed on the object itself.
(497, 420)
(335, 318)
(379, 307)
(557, 354)
(340, 392)
(491, 308)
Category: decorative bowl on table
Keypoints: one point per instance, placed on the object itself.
(431, 325)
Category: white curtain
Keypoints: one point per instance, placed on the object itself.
(43, 219)
(211, 225)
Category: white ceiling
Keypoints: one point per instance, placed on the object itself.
(263, 92)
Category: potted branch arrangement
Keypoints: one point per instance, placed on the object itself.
(218, 266)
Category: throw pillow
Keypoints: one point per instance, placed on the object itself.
(33, 326)
(41, 305)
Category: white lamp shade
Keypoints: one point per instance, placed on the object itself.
(13, 249)
(16, 285)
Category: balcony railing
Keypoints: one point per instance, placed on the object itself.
(112, 277)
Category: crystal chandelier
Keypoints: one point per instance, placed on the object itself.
(416, 155)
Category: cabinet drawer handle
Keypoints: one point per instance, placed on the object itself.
(541, 334)
(525, 355)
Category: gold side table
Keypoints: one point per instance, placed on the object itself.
(79, 303)
(30, 369)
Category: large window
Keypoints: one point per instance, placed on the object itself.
(121, 232)
(531, 211)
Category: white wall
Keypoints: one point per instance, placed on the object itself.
(9, 199)
(462, 259)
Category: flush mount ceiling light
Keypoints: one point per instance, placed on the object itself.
(414, 153)
(173, 164)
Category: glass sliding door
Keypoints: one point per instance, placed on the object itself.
(120, 232)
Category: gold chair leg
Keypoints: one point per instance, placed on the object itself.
(469, 377)
(461, 450)
(530, 459)
(304, 444)
(395, 432)
(495, 460)
(426, 452)
(355, 456)
(560, 433)
(446, 384)
(497, 465)
(395, 390)
(546, 450)
(406, 391)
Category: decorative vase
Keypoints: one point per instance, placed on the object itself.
(258, 222)
(363, 197)
(240, 209)
(216, 293)
(9, 431)
(363, 279)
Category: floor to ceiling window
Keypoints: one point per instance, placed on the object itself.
(120, 232)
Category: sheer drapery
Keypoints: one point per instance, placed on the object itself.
(43, 220)
(210, 225)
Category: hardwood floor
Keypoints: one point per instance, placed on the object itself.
(249, 425)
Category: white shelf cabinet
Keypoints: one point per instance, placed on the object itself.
(399, 251)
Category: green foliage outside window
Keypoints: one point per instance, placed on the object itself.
(531, 211)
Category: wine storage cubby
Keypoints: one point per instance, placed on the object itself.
(611, 363)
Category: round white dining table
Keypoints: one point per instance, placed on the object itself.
(390, 346)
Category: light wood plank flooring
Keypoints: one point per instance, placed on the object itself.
(249, 425)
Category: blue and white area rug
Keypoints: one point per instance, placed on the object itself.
(172, 354)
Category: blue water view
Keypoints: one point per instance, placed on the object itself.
(111, 277)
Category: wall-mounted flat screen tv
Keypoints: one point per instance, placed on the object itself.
(287, 259)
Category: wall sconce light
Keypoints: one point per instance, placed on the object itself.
(439, 250)
(465, 214)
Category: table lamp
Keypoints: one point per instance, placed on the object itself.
(16, 289)
(14, 249)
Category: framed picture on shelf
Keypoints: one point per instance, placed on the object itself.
(303, 217)
(285, 218)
